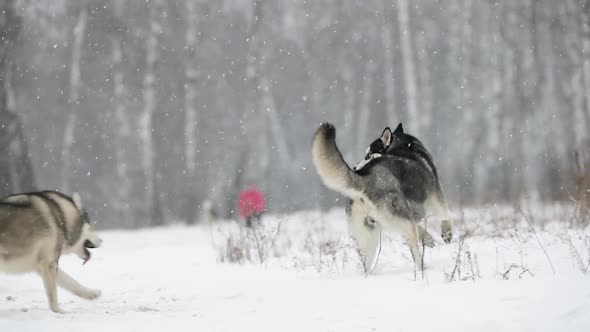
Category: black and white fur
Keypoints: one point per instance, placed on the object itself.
(391, 192)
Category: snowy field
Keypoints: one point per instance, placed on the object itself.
(300, 274)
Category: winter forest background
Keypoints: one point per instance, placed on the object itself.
(147, 108)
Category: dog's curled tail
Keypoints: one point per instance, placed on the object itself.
(328, 161)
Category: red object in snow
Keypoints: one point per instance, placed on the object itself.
(250, 201)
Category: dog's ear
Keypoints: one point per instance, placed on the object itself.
(399, 129)
(77, 200)
(386, 136)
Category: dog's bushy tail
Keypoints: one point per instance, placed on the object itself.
(328, 161)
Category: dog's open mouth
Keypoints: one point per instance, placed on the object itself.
(87, 245)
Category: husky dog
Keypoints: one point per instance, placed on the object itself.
(36, 229)
(393, 143)
(394, 189)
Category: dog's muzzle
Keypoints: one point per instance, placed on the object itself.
(90, 244)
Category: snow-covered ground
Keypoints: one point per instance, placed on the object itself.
(299, 274)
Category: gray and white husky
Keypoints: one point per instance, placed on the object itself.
(395, 187)
(36, 229)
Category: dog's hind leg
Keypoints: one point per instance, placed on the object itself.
(366, 234)
(412, 236)
(409, 230)
(48, 272)
(70, 284)
(395, 215)
(437, 205)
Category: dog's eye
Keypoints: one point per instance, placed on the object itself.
(370, 222)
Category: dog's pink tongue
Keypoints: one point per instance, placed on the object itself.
(87, 257)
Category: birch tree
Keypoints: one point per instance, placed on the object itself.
(123, 130)
(465, 102)
(584, 156)
(427, 30)
(191, 122)
(576, 18)
(388, 61)
(146, 120)
(16, 173)
(585, 36)
(577, 15)
(366, 104)
(409, 66)
(73, 100)
(264, 104)
(492, 97)
(254, 121)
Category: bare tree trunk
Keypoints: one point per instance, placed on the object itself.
(278, 132)
(365, 109)
(191, 121)
(256, 124)
(493, 97)
(21, 171)
(16, 173)
(473, 139)
(466, 48)
(584, 15)
(424, 70)
(509, 97)
(386, 40)
(582, 183)
(575, 50)
(460, 67)
(73, 97)
(350, 94)
(409, 67)
(123, 127)
(262, 87)
(146, 126)
(581, 154)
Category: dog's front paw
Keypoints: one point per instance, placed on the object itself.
(91, 294)
(446, 231)
(57, 309)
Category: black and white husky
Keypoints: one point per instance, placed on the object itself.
(395, 188)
